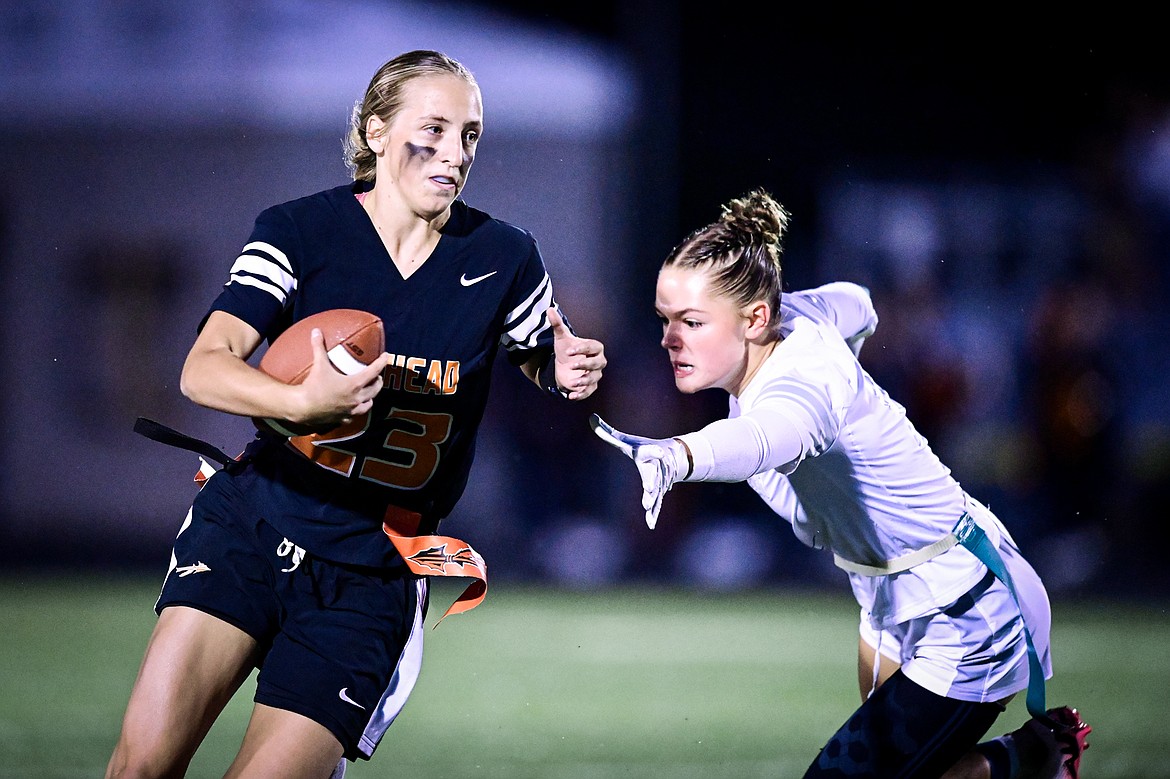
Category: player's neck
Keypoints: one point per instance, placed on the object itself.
(409, 237)
(757, 355)
(395, 217)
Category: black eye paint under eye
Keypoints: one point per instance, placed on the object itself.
(426, 152)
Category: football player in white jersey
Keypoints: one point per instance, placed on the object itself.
(954, 621)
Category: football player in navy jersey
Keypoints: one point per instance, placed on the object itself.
(283, 563)
(953, 620)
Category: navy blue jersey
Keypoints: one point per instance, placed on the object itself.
(484, 287)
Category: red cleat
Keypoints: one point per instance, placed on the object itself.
(1072, 738)
(1063, 738)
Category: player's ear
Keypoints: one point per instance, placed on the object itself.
(759, 318)
(376, 134)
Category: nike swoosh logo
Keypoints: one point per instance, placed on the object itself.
(468, 282)
(341, 694)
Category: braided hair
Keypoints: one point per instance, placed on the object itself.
(741, 250)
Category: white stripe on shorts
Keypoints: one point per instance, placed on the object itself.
(401, 683)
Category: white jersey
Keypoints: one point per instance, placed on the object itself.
(865, 483)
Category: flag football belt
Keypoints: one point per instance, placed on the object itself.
(157, 431)
(424, 555)
(432, 555)
(971, 537)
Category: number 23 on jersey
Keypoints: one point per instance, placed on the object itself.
(410, 447)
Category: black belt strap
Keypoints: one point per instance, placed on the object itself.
(157, 431)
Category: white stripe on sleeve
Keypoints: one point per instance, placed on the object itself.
(263, 266)
(252, 281)
(527, 321)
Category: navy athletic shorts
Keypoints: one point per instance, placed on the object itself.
(339, 644)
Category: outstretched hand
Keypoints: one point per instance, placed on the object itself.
(658, 462)
(579, 361)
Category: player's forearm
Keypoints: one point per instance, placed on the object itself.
(220, 380)
(731, 450)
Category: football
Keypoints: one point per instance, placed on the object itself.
(353, 339)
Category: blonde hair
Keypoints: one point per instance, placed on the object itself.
(383, 98)
(741, 250)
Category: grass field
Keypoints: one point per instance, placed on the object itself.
(535, 683)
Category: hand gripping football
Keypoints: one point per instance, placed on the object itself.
(353, 339)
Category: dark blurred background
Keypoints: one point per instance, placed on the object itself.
(1002, 185)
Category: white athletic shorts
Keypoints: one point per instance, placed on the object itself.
(974, 649)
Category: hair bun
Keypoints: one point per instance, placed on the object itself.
(755, 218)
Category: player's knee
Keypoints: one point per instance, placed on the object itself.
(130, 769)
(139, 761)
